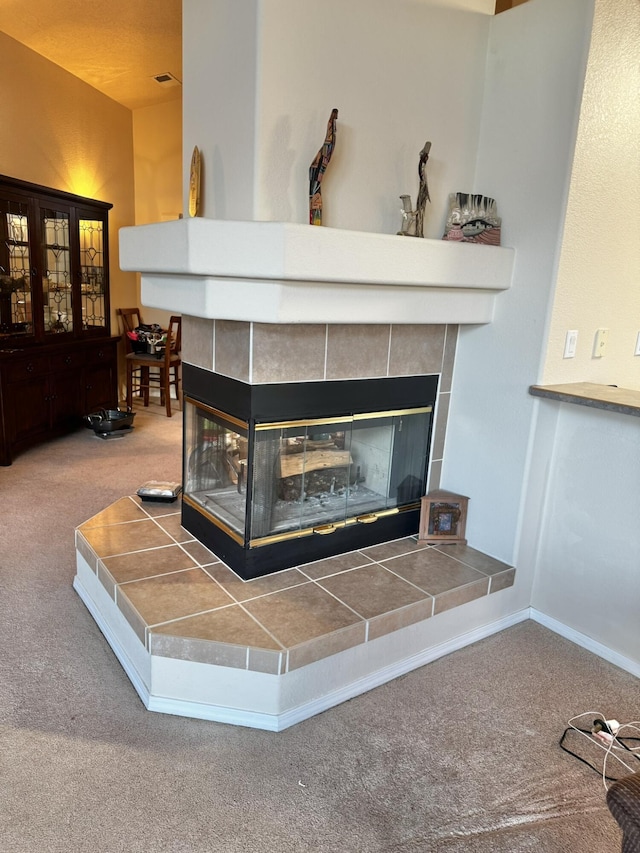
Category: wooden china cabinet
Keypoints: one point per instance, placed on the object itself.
(58, 359)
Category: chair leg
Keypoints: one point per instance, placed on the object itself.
(166, 387)
(144, 382)
(129, 385)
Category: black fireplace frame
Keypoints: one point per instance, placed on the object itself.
(264, 403)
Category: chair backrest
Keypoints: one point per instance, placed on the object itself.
(175, 332)
(130, 319)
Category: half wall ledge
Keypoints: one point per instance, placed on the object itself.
(281, 272)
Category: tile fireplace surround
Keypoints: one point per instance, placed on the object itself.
(269, 302)
(197, 641)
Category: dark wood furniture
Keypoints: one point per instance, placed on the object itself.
(58, 360)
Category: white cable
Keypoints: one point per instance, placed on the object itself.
(608, 742)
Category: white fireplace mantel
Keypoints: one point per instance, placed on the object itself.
(281, 272)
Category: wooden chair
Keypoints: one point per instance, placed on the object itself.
(141, 375)
(131, 319)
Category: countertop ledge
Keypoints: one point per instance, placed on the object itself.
(624, 401)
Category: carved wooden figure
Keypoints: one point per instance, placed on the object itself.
(318, 168)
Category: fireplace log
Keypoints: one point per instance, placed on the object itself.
(313, 460)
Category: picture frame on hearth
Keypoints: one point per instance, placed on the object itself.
(443, 518)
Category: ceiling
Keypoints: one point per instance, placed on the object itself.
(117, 47)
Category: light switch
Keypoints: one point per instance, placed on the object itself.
(600, 343)
(570, 343)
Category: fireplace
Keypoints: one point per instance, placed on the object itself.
(280, 474)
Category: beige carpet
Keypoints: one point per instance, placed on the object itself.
(461, 755)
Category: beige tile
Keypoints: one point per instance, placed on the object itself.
(173, 596)
(147, 564)
(106, 580)
(126, 537)
(197, 341)
(416, 349)
(333, 565)
(86, 550)
(288, 352)
(272, 663)
(171, 523)
(232, 348)
(198, 651)
(462, 595)
(439, 434)
(300, 614)
(471, 557)
(245, 590)
(433, 572)
(388, 622)
(325, 646)
(451, 343)
(371, 590)
(123, 510)
(502, 580)
(394, 548)
(357, 352)
(225, 625)
(197, 551)
(134, 619)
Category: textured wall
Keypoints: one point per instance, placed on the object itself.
(598, 283)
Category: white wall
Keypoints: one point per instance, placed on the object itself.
(584, 490)
(589, 537)
(535, 69)
(599, 272)
(219, 68)
(398, 75)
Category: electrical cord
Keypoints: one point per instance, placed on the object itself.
(606, 735)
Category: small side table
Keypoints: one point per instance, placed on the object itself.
(443, 518)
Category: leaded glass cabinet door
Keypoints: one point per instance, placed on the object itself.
(16, 305)
(57, 282)
(93, 272)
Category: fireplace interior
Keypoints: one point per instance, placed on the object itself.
(281, 474)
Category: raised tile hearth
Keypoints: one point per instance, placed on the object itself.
(198, 641)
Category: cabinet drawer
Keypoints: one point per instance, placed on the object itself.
(100, 353)
(27, 368)
(66, 360)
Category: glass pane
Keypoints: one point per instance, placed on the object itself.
(15, 271)
(92, 271)
(300, 477)
(371, 447)
(389, 461)
(215, 466)
(56, 282)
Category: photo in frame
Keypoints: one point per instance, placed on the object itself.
(443, 518)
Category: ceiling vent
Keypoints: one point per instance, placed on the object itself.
(167, 80)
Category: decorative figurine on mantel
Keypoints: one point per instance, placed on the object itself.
(413, 220)
(318, 168)
(473, 219)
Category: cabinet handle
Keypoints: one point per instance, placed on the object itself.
(67, 360)
(29, 368)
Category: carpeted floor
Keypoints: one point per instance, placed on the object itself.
(461, 755)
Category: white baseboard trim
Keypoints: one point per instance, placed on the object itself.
(279, 722)
(112, 638)
(586, 642)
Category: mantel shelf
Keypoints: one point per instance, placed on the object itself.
(281, 272)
